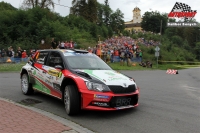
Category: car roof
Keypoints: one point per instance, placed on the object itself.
(66, 50)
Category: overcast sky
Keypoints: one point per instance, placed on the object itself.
(126, 6)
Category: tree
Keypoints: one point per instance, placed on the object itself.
(152, 21)
(6, 6)
(39, 3)
(86, 9)
(107, 12)
(117, 22)
(92, 11)
(100, 11)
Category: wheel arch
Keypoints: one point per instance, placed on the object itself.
(31, 79)
(67, 81)
(23, 71)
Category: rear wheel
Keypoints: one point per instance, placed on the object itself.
(26, 87)
(71, 100)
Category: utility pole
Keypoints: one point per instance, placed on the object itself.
(157, 48)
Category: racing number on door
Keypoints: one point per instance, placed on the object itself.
(123, 102)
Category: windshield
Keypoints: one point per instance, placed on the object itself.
(86, 62)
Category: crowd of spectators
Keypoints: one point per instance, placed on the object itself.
(18, 55)
(118, 49)
(121, 49)
(62, 44)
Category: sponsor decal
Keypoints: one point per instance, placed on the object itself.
(37, 55)
(101, 100)
(48, 82)
(110, 73)
(45, 67)
(68, 54)
(34, 72)
(101, 96)
(56, 86)
(60, 74)
(100, 104)
(55, 73)
(115, 78)
(41, 87)
(90, 72)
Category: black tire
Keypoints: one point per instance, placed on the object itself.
(71, 100)
(26, 87)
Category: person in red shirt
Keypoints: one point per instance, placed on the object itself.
(24, 56)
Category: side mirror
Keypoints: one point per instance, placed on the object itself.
(59, 67)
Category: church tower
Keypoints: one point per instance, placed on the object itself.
(136, 15)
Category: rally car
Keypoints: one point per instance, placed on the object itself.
(79, 78)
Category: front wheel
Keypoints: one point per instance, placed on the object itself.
(71, 100)
(26, 87)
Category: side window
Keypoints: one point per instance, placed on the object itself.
(41, 57)
(55, 59)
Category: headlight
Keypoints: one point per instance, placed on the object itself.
(97, 87)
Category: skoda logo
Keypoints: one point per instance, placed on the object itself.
(124, 84)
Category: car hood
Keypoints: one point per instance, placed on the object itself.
(109, 77)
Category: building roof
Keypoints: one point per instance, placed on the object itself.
(136, 8)
(133, 25)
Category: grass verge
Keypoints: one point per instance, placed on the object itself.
(11, 67)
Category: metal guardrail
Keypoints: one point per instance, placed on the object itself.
(133, 59)
(178, 61)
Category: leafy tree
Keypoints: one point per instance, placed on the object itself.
(117, 22)
(92, 11)
(107, 12)
(39, 3)
(100, 12)
(152, 21)
(6, 6)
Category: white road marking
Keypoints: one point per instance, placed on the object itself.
(191, 88)
(190, 91)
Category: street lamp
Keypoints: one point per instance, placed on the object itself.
(160, 31)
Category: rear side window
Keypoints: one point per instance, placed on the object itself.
(41, 57)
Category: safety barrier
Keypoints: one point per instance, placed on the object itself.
(171, 71)
(12, 60)
(179, 62)
(134, 59)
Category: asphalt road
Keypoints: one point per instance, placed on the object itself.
(168, 104)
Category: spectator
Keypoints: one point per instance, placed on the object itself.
(122, 57)
(53, 44)
(62, 45)
(9, 53)
(19, 54)
(140, 55)
(24, 55)
(71, 45)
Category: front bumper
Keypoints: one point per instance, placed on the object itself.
(109, 101)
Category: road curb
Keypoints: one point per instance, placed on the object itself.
(75, 127)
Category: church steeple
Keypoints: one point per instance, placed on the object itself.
(136, 15)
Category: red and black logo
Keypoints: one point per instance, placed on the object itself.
(183, 11)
